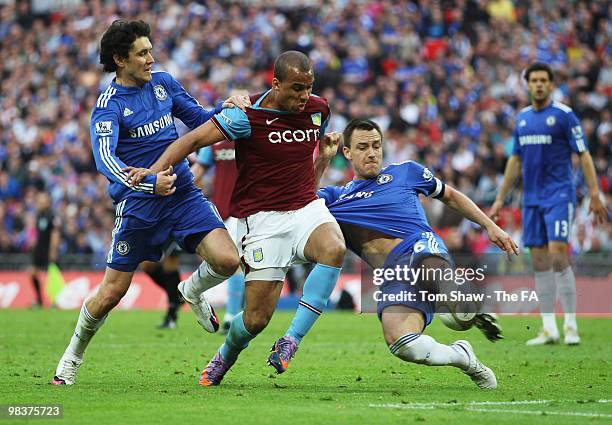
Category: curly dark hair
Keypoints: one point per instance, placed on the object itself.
(118, 40)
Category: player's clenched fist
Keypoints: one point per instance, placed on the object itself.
(164, 184)
(329, 144)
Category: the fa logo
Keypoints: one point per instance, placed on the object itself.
(523, 123)
(384, 178)
(258, 255)
(427, 174)
(160, 92)
(550, 121)
(122, 247)
(316, 119)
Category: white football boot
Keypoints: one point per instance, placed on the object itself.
(477, 371)
(571, 336)
(544, 337)
(67, 368)
(207, 318)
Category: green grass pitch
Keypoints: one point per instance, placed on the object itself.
(342, 374)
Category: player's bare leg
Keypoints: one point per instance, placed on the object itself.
(565, 282)
(402, 329)
(220, 262)
(93, 313)
(546, 290)
(261, 298)
(325, 247)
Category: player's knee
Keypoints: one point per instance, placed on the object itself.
(333, 254)
(256, 321)
(559, 262)
(541, 263)
(110, 298)
(226, 264)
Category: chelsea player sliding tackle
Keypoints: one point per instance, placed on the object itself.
(383, 222)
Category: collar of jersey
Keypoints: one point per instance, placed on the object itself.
(256, 105)
(550, 105)
(128, 89)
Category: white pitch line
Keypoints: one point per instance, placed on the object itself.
(471, 403)
(469, 407)
(540, 412)
(486, 403)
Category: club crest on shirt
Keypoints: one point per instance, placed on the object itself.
(258, 255)
(523, 123)
(427, 174)
(160, 92)
(122, 247)
(316, 119)
(550, 121)
(384, 178)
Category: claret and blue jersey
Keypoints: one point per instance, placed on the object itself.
(134, 125)
(544, 140)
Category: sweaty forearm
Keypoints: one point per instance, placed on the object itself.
(205, 135)
(174, 153)
(466, 207)
(320, 166)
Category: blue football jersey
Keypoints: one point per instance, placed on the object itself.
(388, 203)
(544, 140)
(134, 125)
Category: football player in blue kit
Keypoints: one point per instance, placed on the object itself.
(546, 134)
(133, 123)
(383, 222)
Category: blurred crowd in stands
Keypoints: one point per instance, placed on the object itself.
(442, 78)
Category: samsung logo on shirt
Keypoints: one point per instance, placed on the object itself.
(535, 139)
(152, 127)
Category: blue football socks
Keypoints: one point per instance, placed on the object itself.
(235, 295)
(317, 289)
(237, 339)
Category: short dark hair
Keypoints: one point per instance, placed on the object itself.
(359, 124)
(290, 59)
(539, 66)
(118, 40)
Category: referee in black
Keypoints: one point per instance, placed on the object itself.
(47, 242)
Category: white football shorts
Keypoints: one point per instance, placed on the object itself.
(276, 239)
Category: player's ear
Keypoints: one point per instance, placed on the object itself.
(119, 61)
(347, 152)
(276, 84)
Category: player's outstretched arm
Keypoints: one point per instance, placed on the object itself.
(597, 207)
(467, 208)
(205, 135)
(513, 170)
(328, 146)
